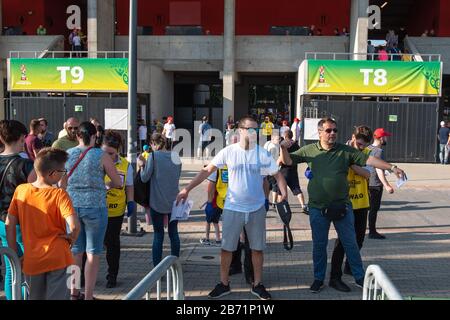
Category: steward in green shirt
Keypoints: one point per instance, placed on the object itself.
(329, 162)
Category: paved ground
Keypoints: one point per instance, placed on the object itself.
(415, 255)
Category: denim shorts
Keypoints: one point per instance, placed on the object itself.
(93, 222)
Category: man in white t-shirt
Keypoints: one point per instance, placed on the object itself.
(169, 132)
(248, 164)
(204, 131)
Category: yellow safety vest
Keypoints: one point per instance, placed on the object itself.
(267, 128)
(221, 187)
(116, 199)
(359, 189)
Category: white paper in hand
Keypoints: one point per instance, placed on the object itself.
(402, 181)
(182, 211)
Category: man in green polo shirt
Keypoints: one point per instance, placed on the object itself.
(69, 140)
(328, 192)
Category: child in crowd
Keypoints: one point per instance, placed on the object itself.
(44, 213)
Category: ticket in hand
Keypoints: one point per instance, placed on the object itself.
(402, 181)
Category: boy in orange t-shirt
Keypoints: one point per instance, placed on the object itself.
(42, 212)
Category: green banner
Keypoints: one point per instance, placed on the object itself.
(68, 75)
(374, 77)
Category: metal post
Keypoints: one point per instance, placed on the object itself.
(132, 100)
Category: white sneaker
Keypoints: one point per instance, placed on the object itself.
(205, 242)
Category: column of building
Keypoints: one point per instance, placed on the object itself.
(358, 35)
(101, 26)
(229, 71)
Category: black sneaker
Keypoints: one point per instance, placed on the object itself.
(376, 235)
(317, 286)
(339, 285)
(111, 282)
(220, 291)
(360, 283)
(261, 292)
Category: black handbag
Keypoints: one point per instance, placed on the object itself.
(335, 212)
(285, 213)
(141, 189)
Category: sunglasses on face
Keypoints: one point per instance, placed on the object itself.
(330, 130)
(72, 128)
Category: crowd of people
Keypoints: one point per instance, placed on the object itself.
(76, 191)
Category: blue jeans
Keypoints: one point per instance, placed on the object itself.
(8, 279)
(158, 236)
(443, 153)
(345, 228)
(93, 223)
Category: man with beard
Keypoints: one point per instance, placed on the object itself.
(70, 140)
(377, 182)
(46, 136)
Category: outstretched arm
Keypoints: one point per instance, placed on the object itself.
(201, 176)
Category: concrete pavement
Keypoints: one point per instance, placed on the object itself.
(415, 255)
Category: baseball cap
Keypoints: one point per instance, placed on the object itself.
(380, 133)
(146, 148)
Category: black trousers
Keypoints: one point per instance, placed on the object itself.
(236, 262)
(375, 193)
(112, 243)
(339, 253)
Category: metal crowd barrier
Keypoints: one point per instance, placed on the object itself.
(169, 267)
(378, 286)
(16, 272)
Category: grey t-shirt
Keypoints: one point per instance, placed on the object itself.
(164, 176)
(374, 181)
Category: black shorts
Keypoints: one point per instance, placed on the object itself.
(205, 144)
(273, 184)
(215, 217)
(293, 183)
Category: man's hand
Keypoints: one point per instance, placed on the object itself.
(399, 173)
(284, 144)
(389, 189)
(182, 196)
(68, 237)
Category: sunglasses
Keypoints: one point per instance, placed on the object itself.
(330, 130)
(249, 130)
(64, 172)
(72, 128)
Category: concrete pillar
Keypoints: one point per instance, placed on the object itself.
(161, 93)
(229, 73)
(106, 26)
(92, 31)
(362, 35)
(358, 10)
(1, 17)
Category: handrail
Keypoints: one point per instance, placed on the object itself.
(349, 56)
(71, 54)
(16, 272)
(171, 267)
(375, 280)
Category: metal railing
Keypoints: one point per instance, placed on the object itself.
(378, 286)
(169, 267)
(68, 54)
(350, 56)
(16, 272)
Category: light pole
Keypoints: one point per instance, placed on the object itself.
(132, 97)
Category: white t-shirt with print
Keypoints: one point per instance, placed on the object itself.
(245, 173)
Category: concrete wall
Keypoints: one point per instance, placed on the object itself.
(253, 53)
(161, 92)
(106, 25)
(427, 45)
(28, 43)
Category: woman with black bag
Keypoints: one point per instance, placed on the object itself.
(163, 170)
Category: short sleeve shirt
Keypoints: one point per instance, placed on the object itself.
(170, 128)
(41, 214)
(246, 171)
(32, 143)
(329, 184)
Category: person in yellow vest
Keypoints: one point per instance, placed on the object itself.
(359, 195)
(267, 128)
(118, 200)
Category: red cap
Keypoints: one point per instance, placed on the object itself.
(296, 120)
(380, 133)
(169, 118)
